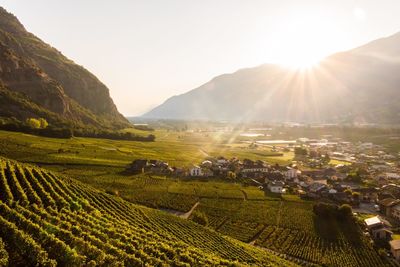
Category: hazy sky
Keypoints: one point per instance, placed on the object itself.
(146, 51)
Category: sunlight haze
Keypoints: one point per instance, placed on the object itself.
(146, 51)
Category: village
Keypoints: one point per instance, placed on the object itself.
(363, 175)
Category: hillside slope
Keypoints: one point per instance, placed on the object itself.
(50, 80)
(360, 85)
(47, 220)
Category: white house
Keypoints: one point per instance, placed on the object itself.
(196, 171)
(378, 228)
(292, 173)
(222, 160)
(276, 187)
(392, 175)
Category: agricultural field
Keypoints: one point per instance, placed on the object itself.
(101, 163)
(177, 148)
(287, 225)
(284, 224)
(60, 221)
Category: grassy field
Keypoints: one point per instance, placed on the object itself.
(179, 149)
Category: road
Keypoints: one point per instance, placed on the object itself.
(183, 215)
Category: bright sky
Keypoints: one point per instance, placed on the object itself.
(146, 51)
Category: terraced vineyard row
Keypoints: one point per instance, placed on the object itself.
(46, 220)
(317, 250)
(290, 228)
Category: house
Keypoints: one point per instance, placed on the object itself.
(378, 228)
(368, 194)
(316, 187)
(138, 166)
(221, 161)
(291, 173)
(206, 164)
(386, 205)
(392, 175)
(253, 169)
(315, 174)
(158, 167)
(395, 212)
(395, 248)
(276, 187)
(195, 171)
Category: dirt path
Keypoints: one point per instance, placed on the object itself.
(244, 194)
(183, 215)
(187, 214)
(204, 153)
(257, 235)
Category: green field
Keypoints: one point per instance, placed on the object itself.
(178, 149)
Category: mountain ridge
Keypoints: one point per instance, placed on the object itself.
(339, 90)
(51, 80)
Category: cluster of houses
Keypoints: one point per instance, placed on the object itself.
(381, 164)
(380, 226)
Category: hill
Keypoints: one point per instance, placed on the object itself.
(66, 93)
(360, 85)
(48, 220)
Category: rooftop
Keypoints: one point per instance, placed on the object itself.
(372, 221)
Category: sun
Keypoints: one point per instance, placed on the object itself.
(304, 39)
(301, 61)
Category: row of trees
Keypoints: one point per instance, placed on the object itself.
(95, 133)
(42, 128)
(329, 211)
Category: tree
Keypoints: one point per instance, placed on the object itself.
(345, 211)
(300, 151)
(356, 195)
(325, 210)
(33, 123)
(348, 191)
(43, 123)
(231, 175)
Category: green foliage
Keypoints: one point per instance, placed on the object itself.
(302, 151)
(43, 123)
(3, 254)
(49, 230)
(33, 123)
(200, 218)
(345, 211)
(325, 210)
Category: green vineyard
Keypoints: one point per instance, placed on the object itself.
(46, 220)
(290, 228)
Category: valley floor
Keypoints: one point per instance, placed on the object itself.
(285, 225)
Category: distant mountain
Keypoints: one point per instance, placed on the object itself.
(36, 80)
(360, 85)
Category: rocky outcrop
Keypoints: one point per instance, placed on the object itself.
(52, 81)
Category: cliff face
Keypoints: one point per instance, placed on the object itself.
(52, 81)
